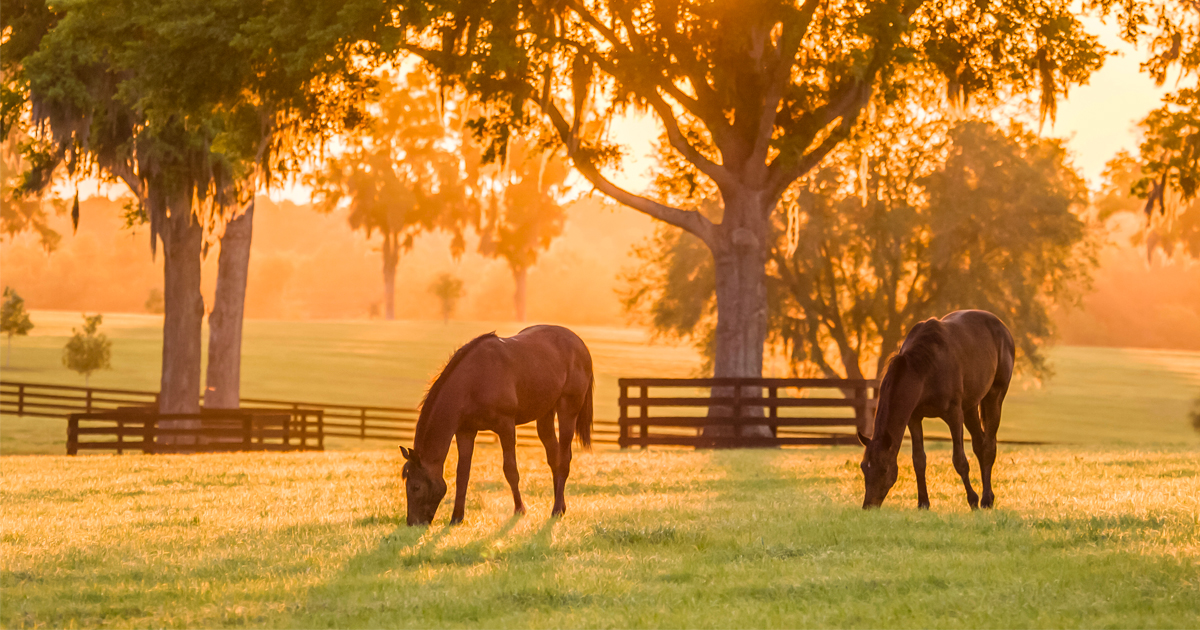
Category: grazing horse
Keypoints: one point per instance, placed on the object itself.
(493, 384)
(950, 369)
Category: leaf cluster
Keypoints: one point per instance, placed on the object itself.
(1169, 32)
(88, 350)
(406, 170)
(15, 319)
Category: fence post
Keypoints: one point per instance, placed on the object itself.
(72, 434)
(773, 393)
(321, 429)
(623, 419)
(645, 428)
(247, 428)
(149, 428)
(21, 399)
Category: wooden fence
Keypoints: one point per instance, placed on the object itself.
(362, 422)
(58, 401)
(735, 403)
(637, 425)
(142, 429)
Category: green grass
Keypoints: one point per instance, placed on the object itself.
(1099, 395)
(1082, 537)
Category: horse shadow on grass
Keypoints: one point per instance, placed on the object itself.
(377, 587)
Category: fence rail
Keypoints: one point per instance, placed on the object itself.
(732, 404)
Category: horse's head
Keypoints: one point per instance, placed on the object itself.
(879, 469)
(422, 489)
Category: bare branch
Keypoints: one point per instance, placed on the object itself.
(688, 220)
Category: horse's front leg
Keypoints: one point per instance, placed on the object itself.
(466, 447)
(916, 431)
(507, 431)
(955, 419)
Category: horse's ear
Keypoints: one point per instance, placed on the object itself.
(863, 439)
(407, 453)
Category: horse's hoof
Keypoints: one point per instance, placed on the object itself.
(923, 506)
(456, 521)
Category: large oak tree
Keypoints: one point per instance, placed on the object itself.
(752, 94)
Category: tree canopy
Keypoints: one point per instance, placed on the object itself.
(753, 95)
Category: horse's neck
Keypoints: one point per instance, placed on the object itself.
(899, 403)
(434, 434)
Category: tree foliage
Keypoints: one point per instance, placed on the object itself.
(1173, 232)
(88, 350)
(1169, 155)
(448, 289)
(899, 224)
(15, 319)
(753, 95)
(523, 209)
(404, 173)
(20, 212)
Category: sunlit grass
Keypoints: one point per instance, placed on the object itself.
(1081, 538)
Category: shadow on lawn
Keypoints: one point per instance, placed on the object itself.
(382, 585)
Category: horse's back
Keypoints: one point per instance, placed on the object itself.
(987, 346)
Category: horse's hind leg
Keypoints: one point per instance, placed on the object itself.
(979, 445)
(961, 464)
(987, 451)
(508, 443)
(917, 433)
(545, 429)
(568, 414)
(466, 447)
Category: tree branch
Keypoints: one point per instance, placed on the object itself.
(688, 220)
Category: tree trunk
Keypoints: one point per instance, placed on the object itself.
(740, 258)
(519, 278)
(391, 258)
(182, 237)
(223, 379)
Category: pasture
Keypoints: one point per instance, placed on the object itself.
(1082, 537)
(1098, 395)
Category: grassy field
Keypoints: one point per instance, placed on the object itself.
(1082, 537)
(1099, 395)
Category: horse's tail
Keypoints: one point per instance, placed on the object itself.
(583, 425)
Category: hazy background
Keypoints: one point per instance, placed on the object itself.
(309, 266)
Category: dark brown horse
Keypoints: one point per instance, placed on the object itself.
(493, 384)
(958, 369)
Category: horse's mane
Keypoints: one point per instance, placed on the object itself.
(455, 359)
(924, 345)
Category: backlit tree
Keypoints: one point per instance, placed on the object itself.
(753, 95)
